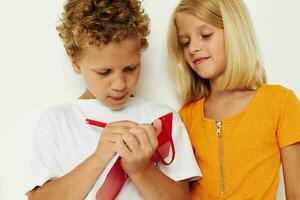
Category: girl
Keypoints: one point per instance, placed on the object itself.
(241, 128)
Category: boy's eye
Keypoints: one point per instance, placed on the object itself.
(206, 36)
(104, 73)
(129, 68)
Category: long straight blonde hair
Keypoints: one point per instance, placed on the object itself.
(244, 68)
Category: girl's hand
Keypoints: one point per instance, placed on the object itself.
(138, 146)
(111, 134)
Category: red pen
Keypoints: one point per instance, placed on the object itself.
(95, 123)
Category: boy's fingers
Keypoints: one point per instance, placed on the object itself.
(114, 132)
(119, 130)
(122, 149)
(141, 135)
(127, 123)
(131, 141)
(157, 124)
(151, 135)
(114, 137)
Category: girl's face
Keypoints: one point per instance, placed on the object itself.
(111, 72)
(203, 46)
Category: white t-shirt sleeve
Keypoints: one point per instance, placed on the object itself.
(46, 162)
(184, 165)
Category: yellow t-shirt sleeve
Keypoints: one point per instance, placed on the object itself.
(288, 129)
(182, 113)
(185, 115)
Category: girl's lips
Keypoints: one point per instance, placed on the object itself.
(200, 60)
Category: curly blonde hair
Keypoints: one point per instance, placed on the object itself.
(98, 22)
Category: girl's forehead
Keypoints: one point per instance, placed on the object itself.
(189, 19)
(187, 22)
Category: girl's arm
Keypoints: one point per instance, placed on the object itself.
(290, 156)
(74, 185)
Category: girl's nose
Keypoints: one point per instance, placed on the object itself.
(195, 46)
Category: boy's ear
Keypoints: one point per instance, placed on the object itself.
(76, 67)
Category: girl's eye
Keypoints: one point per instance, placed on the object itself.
(129, 69)
(185, 44)
(104, 73)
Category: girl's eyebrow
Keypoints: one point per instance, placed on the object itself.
(202, 26)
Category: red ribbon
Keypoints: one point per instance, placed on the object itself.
(116, 177)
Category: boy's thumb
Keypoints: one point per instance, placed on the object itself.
(157, 126)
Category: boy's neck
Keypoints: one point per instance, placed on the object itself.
(87, 95)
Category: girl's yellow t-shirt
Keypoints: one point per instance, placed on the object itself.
(240, 156)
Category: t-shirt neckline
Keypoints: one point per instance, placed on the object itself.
(238, 115)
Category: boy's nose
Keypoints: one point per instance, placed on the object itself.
(119, 84)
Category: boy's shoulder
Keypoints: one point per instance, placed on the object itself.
(153, 105)
(152, 109)
(56, 111)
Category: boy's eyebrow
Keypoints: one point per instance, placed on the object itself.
(136, 63)
(108, 68)
(132, 65)
(102, 69)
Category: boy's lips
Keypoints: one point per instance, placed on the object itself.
(200, 60)
(118, 98)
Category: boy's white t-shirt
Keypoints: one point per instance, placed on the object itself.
(63, 141)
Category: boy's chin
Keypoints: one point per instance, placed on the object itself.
(116, 107)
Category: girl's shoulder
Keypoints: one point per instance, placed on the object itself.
(275, 89)
(190, 109)
(274, 93)
(276, 99)
(192, 105)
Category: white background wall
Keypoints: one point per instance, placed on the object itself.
(35, 72)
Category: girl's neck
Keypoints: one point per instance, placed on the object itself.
(224, 104)
(217, 94)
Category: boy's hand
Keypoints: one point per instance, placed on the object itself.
(111, 134)
(138, 146)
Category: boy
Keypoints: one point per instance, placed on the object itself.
(104, 41)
